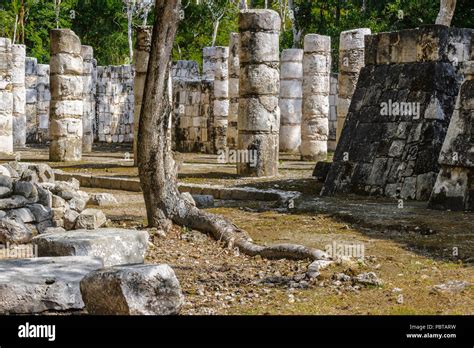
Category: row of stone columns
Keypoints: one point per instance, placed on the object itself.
(31, 81)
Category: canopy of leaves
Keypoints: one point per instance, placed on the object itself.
(103, 23)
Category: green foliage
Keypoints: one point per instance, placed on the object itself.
(103, 23)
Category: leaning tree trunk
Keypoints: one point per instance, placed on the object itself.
(446, 12)
(157, 169)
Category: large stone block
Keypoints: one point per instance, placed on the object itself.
(113, 246)
(36, 285)
(64, 41)
(132, 290)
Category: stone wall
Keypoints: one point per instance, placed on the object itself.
(399, 113)
(115, 104)
(6, 97)
(192, 108)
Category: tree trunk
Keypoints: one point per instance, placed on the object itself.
(214, 33)
(156, 166)
(129, 32)
(446, 12)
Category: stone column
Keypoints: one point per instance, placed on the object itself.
(351, 60)
(89, 77)
(291, 94)
(43, 100)
(316, 71)
(259, 113)
(65, 122)
(234, 72)
(208, 63)
(220, 103)
(6, 97)
(31, 79)
(141, 55)
(19, 95)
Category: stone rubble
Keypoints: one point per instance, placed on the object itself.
(31, 202)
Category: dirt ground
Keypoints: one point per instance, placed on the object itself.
(411, 249)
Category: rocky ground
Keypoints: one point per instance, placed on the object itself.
(410, 251)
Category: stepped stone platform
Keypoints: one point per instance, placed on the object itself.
(399, 113)
(42, 284)
(113, 246)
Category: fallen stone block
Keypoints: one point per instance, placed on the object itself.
(13, 202)
(14, 231)
(115, 246)
(40, 212)
(23, 214)
(70, 218)
(102, 199)
(132, 290)
(77, 204)
(25, 189)
(90, 219)
(204, 201)
(41, 284)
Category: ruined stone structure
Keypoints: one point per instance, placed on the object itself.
(6, 97)
(454, 187)
(65, 126)
(259, 113)
(291, 94)
(315, 123)
(37, 101)
(399, 113)
(234, 72)
(43, 98)
(333, 91)
(19, 95)
(351, 60)
(89, 79)
(192, 108)
(215, 68)
(114, 104)
(141, 55)
(31, 80)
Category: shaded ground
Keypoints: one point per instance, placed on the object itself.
(411, 248)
